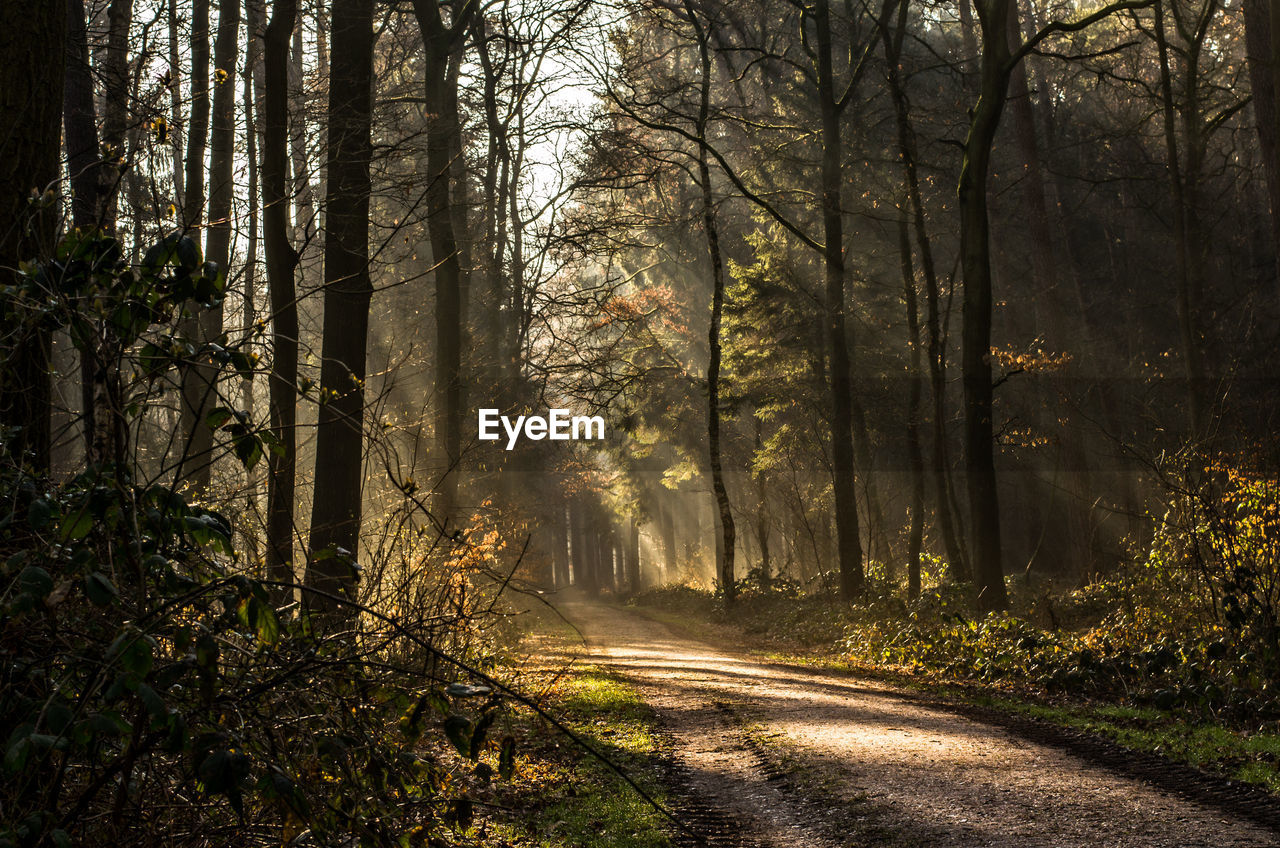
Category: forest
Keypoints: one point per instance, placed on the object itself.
(639, 423)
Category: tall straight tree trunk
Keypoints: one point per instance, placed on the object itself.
(115, 112)
(492, 205)
(336, 512)
(197, 137)
(560, 545)
(460, 203)
(1022, 110)
(200, 383)
(80, 123)
(84, 165)
(975, 250)
(282, 259)
(633, 555)
(440, 42)
(915, 456)
(968, 37)
(1264, 70)
(1186, 174)
(939, 462)
(197, 131)
(304, 200)
(762, 513)
(589, 562)
(253, 57)
(849, 543)
(577, 542)
(878, 544)
(32, 44)
(728, 530)
(669, 557)
(175, 103)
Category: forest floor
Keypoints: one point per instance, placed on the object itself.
(760, 753)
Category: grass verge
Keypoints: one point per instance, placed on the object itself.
(563, 796)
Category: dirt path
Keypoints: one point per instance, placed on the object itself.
(769, 758)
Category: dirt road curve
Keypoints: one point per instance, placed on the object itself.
(753, 745)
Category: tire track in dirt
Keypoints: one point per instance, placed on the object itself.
(762, 755)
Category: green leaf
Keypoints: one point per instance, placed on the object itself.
(481, 734)
(507, 758)
(77, 525)
(154, 360)
(273, 444)
(99, 589)
(458, 729)
(188, 253)
(18, 747)
(222, 771)
(108, 723)
(39, 513)
(35, 581)
(248, 450)
(153, 702)
(461, 812)
(258, 616)
(132, 649)
(218, 417)
(243, 365)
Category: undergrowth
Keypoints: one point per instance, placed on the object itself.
(1175, 652)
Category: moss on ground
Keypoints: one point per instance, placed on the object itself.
(562, 796)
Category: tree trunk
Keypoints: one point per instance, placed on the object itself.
(560, 546)
(197, 136)
(198, 126)
(633, 556)
(175, 103)
(440, 42)
(281, 262)
(1264, 68)
(849, 543)
(115, 112)
(1183, 229)
(32, 64)
(762, 514)
(253, 58)
(336, 513)
(80, 123)
(670, 562)
(577, 542)
(304, 200)
(1032, 176)
(85, 169)
(200, 382)
(975, 241)
(728, 530)
(940, 463)
(915, 457)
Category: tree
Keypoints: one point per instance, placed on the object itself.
(196, 439)
(724, 512)
(32, 41)
(200, 386)
(999, 60)
(336, 511)
(830, 106)
(1262, 19)
(282, 259)
(441, 43)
